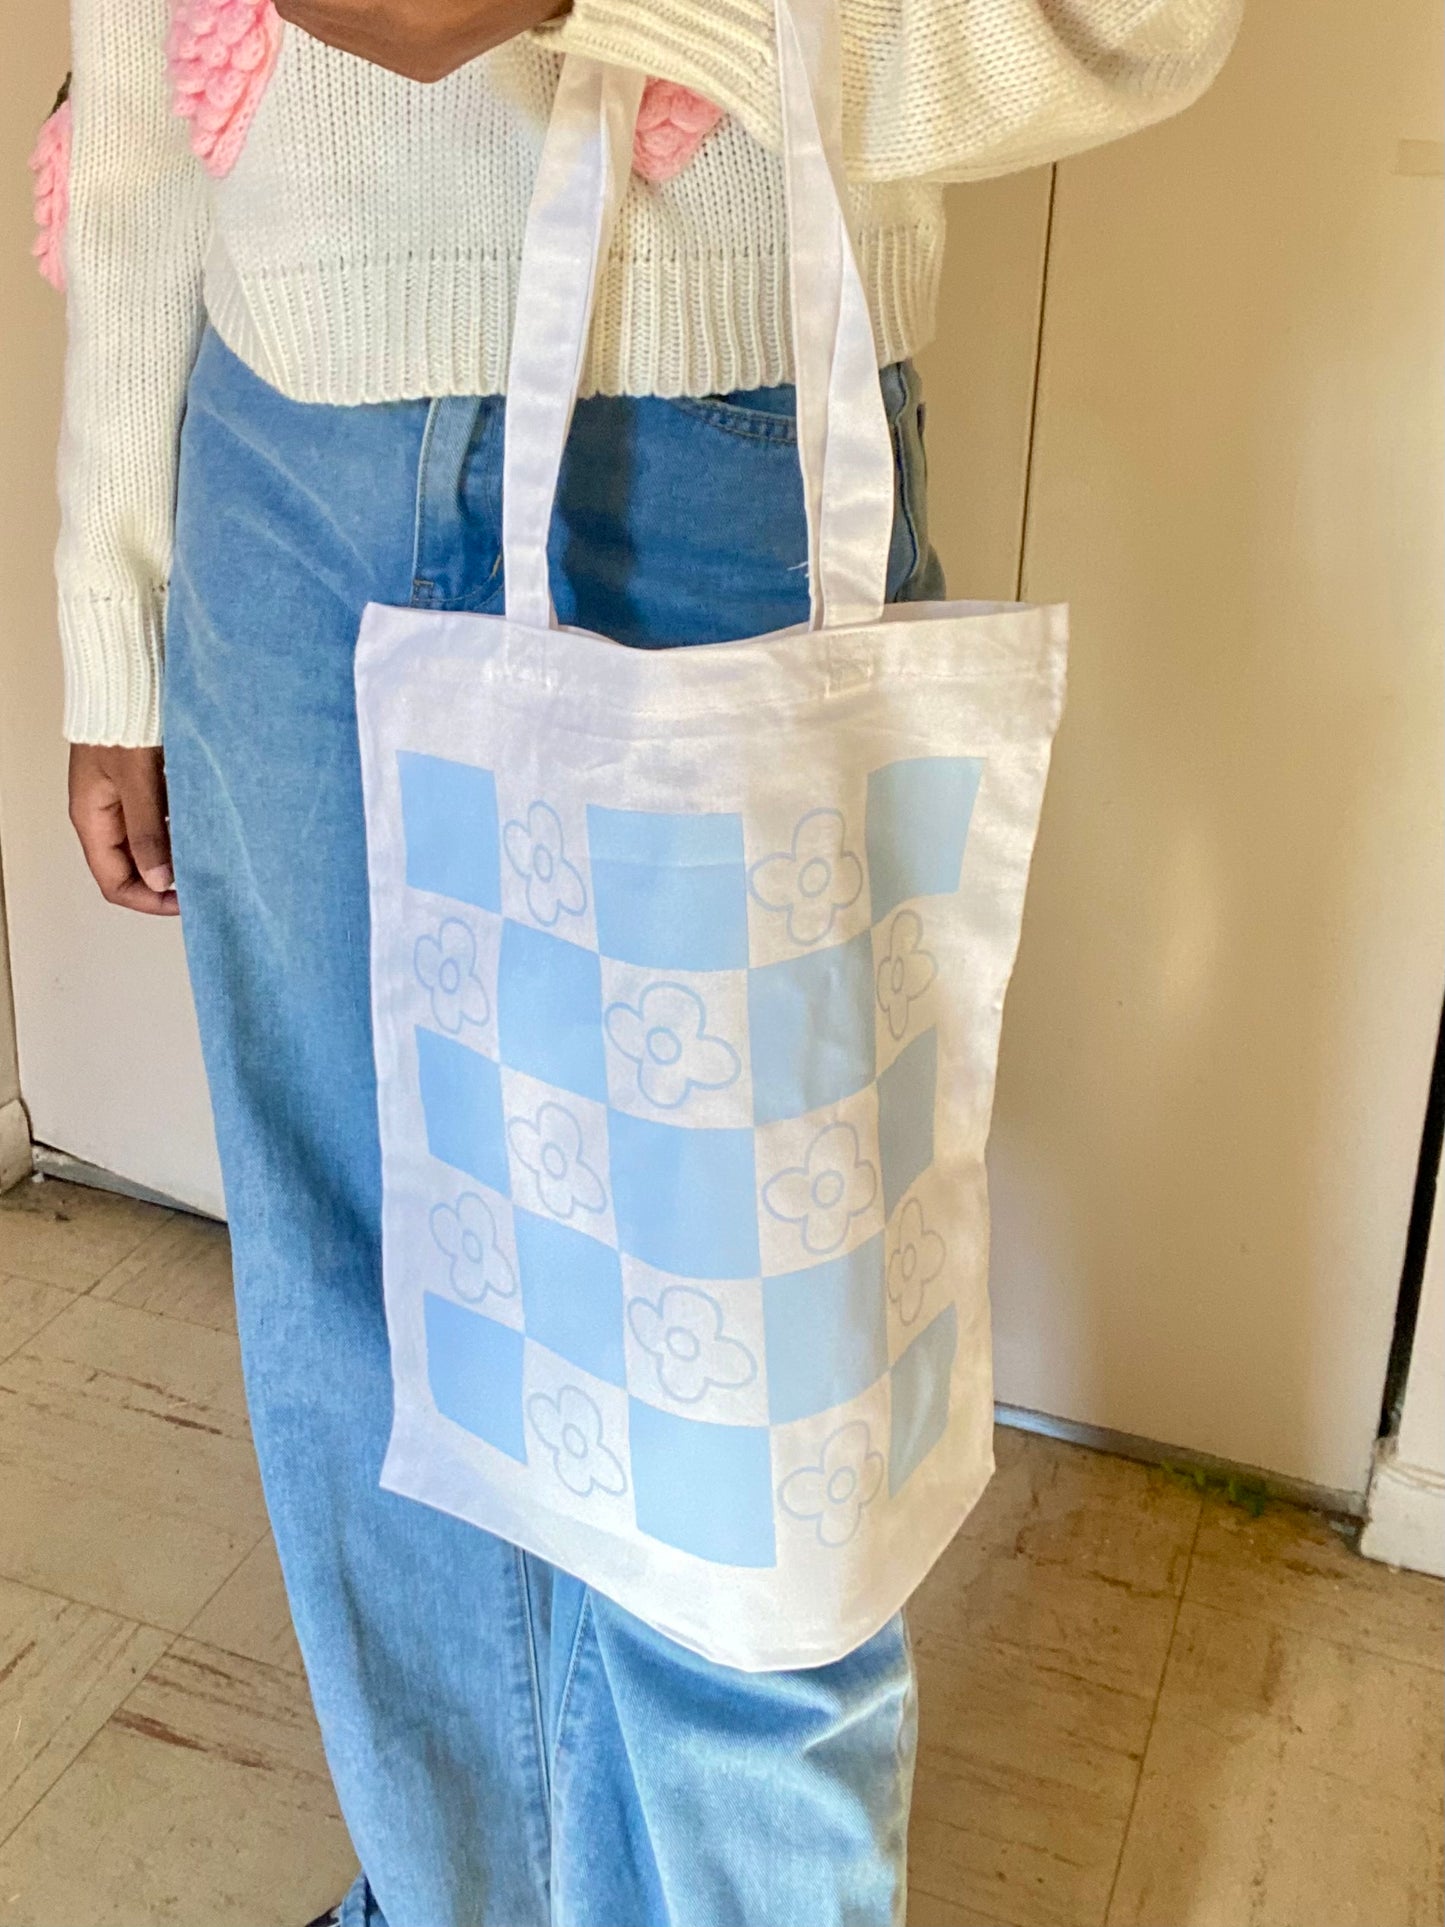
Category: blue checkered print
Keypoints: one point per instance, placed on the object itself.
(679, 1093)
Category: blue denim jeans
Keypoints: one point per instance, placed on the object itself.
(509, 1747)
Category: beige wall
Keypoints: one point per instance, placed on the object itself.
(1218, 1040)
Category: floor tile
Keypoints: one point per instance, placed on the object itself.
(1290, 1781)
(1062, 1504)
(63, 1671)
(67, 1234)
(182, 1268)
(249, 1614)
(203, 1802)
(24, 1307)
(1025, 1778)
(1041, 1637)
(1291, 1568)
(127, 1477)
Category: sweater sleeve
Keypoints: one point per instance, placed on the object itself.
(138, 214)
(938, 90)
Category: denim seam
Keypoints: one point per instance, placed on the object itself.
(419, 506)
(538, 1723)
(746, 424)
(573, 1661)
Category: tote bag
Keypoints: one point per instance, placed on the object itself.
(688, 969)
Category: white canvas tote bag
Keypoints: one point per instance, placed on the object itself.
(688, 968)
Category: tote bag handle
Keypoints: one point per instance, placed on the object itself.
(845, 450)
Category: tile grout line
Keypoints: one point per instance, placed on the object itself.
(1153, 1714)
(75, 1758)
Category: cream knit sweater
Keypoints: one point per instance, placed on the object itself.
(364, 245)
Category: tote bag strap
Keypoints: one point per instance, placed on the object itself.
(844, 446)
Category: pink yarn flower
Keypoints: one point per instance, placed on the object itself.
(220, 54)
(672, 125)
(50, 164)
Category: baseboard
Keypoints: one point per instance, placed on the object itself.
(1127, 1445)
(1406, 1521)
(15, 1153)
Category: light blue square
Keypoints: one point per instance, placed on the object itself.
(461, 1095)
(907, 1095)
(920, 1396)
(685, 1201)
(918, 817)
(827, 1333)
(707, 1489)
(450, 813)
(811, 1025)
(572, 1295)
(549, 1010)
(474, 1365)
(670, 891)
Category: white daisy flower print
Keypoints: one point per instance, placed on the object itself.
(916, 1261)
(550, 1146)
(683, 1331)
(905, 972)
(834, 1492)
(570, 1428)
(467, 1233)
(811, 882)
(827, 1191)
(535, 849)
(446, 967)
(665, 1034)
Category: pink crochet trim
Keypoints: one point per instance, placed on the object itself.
(50, 164)
(671, 126)
(220, 54)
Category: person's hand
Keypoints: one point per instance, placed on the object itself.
(118, 807)
(423, 39)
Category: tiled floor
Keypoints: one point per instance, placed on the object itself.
(1141, 1708)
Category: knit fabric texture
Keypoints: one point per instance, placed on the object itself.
(355, 236)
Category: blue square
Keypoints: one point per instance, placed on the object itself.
(474, 1365)
(671, 891)
(907, 1094)
(918, 817)
(549, 1010)
(920, 1396)
(707, 1489)
(461, 1094)
(450, 813)
(811, 1020)
(572, 1295)
(827, 1333)
(685, 1201)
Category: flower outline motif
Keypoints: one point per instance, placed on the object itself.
(446, 968)
(550, 1146)
(665, 1035)
(833, 1491)
(905, 972)
(466, 1233)
(537, 852)
(570, 1427)
(812, 881)
(823, 1194)
(916, 1261)
(683, 1333)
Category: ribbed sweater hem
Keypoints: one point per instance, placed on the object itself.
(407, 326)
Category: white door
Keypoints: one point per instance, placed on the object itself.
(1219, 1036)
